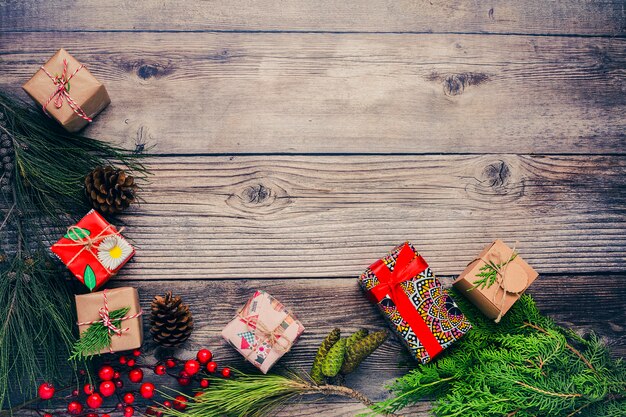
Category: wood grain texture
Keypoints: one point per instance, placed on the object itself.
(584, 17)
(331, 216)
(186, 93)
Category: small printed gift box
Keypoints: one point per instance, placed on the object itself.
(412, 299)
(113, 312)
(93, 250)
(67, 91)
(496, 279)
(263, 331)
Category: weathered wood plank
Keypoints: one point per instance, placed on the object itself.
(331, 216)
(499, 16)
(329, 93)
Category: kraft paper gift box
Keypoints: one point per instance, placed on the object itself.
(418, 309)
(93, 250)
(88, 308)
(512, 276)
(263, 331)
(67, 91)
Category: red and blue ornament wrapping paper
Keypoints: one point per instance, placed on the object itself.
(430, 301)
(263, 330)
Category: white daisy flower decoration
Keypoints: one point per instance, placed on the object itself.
(113, 251)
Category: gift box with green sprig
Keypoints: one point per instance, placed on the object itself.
(496, 279)
(93, 250)
(108, 321)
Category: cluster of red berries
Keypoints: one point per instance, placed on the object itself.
(111, 384)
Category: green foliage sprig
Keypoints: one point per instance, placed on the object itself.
(41, 192)
(525, 366)
(97, 336)
(489, 273)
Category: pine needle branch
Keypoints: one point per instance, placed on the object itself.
(97, 337)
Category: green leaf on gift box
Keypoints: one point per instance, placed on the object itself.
(77, 233)
(67, 86)
(90, 278)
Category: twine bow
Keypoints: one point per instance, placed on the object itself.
(87, 242)
(274, 337)
(501, 279)
(62, 91)
(106, 320)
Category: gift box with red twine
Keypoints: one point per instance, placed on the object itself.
(93, 250)
(415, 304)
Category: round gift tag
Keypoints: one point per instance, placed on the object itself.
(515, 279)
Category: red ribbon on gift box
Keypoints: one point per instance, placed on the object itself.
(408, 265)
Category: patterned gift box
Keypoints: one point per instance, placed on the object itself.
(93, 250)
(412, 299)
(263, 331)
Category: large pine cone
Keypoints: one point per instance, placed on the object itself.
(171, 322)
(110, 190)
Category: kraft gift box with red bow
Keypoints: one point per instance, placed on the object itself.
(93, 250)
(263, 331)
(418, 309)
(67, 92)
(95, 307)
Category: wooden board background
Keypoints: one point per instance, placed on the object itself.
(297, 141)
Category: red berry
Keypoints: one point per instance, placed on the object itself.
(167, 403)
(135, 375)
(130, 363)
(197, 394)
(128, 398)
(105, 415)
(74, 408)
(192, 367)
(46, 391)
(82, 372)
(119, 406)
(91, 415)
(211, 366)
(123, 360)
(94, 401)
(180, 402)
(47, 415)
(159, 413)
(136, 352)
(204, 356)
(129, 411)
(119, 383)
(226, 372)
(159, 370)
(116, 375)
(106, 373)
(107, 388)
(183, 378)
(170, 363)
(147, 390)
(75, 393)
(204, 383)
(150, 410)
(88, 389)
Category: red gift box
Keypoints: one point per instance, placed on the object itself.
(93, 250)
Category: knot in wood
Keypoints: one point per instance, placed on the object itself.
(455, 84)
(497, 175)
(256, 193)
(147, 71)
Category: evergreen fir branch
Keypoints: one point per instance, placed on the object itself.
(525, 366)
(97, 337)
(39, 196)
(489, 273)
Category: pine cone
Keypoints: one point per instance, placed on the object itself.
(360, 350)
(171, 322)
(110, 190)
(7, 166)
(334, 359)
(329, 341)
(356, 336)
